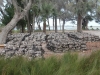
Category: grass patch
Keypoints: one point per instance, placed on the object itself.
(69, 64)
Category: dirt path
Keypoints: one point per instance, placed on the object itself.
(95, 32)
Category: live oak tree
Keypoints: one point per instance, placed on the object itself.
(83, 8)
(85, 21)
(45, 13)
(8, 15)
(97, 13)
(80, 9)
(18, 15)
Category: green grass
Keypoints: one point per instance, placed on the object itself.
(68, 64)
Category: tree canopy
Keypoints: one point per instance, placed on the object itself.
(26, 13)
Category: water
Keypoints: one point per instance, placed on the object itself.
(72, 28)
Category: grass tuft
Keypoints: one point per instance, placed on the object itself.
(69, 64)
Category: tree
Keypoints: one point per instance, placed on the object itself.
(54, 14)
(64, 12)
(8, 15)
(79, 9)
(36, 13)
(85, 21)
(83, 7)
(45, 13)
(18, 15)
(97, 11)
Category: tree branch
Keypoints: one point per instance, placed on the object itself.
(9, 1)
(14, 2)
(26, 9)
(2, 11)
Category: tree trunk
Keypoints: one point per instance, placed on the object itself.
(63, 26)
(23, 28)
(28, 23)
(79, 23)
(60, 23)
(55, 24)
(44, 26)
(38, 24)
(8, 28)
(33, 24)
(48, 24)
(39, 27)
(17, 16)
(85, 24)
(27, 18)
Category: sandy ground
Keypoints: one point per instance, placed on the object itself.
(93, 32)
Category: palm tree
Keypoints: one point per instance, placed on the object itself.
(36, 14)
(45, 13)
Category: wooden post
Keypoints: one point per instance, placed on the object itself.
(2, 46)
